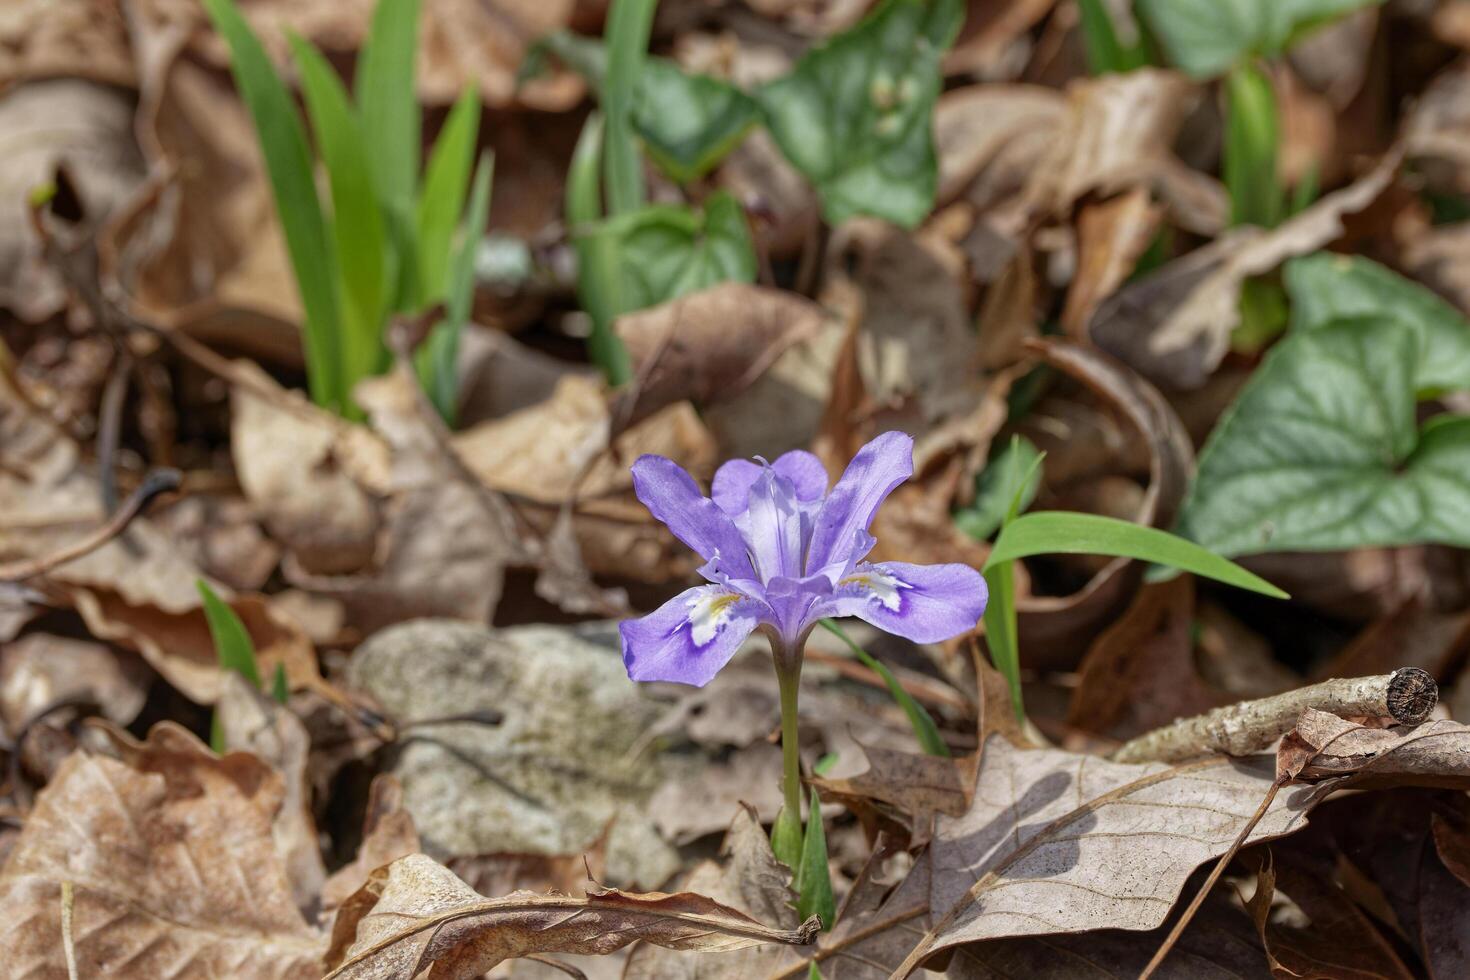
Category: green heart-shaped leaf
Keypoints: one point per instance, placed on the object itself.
(1206, 37)
(855, 115)
(1326, 288)
(1320, 451)
(667, 251)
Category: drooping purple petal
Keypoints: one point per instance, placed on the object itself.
(874, 472)
(925, 603)
(731, 489)
(689, 638)
(672, 496)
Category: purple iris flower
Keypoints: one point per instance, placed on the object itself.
(781, 553)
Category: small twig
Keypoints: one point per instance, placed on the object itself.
(1407, 696)
(155, 483)
(1219, 869)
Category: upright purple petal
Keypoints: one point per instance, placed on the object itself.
(731, 489)
(874, 472)
(689, 638)
(672, 496)
(772, 527)
(925, 603)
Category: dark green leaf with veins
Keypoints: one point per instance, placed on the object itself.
(667, 251)
(855, 116)
(1326, 288)
(1321, 451)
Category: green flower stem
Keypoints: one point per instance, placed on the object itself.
(786, 835)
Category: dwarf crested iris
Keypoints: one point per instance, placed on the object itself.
(782, 552)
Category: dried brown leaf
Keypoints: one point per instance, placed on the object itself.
(172, 863)
(1340, 940)
(1059, 627)
(250, 721)
(1111, 235)
(1174, 324)
(388, 834)
(1433, 754)
(708, 346)
(424, 915)
(1056, 842)
(40, 670)
(746, 877)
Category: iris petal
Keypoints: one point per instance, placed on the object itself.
(689, 638)
(924, 603)
(672, 496)
(731, 489)
(874, 472)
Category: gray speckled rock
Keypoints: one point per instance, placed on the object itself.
(553, 775)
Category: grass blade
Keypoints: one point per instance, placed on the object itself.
(628, 26)
(1002, 636)
(289, 166)
(1066, 533)
(389, 102)
(923, 724)
(439, 361)
(357, 221)
(441, 201)
(233, 647)
(388, 106)
(599, 280)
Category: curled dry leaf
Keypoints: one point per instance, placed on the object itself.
(445, 540)
(1341, 940)
(424, 915)
(198, 249)
(1111, 235)
(708, 346)
(917, 788)
(1174, 325)
(976, 126)
(173, 869)
(1058, 628)
(1140, 672)
(1433, 754)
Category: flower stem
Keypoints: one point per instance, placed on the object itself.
(786, 834)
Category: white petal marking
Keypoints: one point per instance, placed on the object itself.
(709, 613)
(881, 586)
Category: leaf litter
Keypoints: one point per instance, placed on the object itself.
(1063, 226)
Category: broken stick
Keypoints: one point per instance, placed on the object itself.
(1407, 696)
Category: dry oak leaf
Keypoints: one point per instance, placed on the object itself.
(169, 853)
(1058, 842)
(424, 916)
(1433, 754)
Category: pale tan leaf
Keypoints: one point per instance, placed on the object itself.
(1432, 754)
(173, 867)
(425, 915)
(1057, 842)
